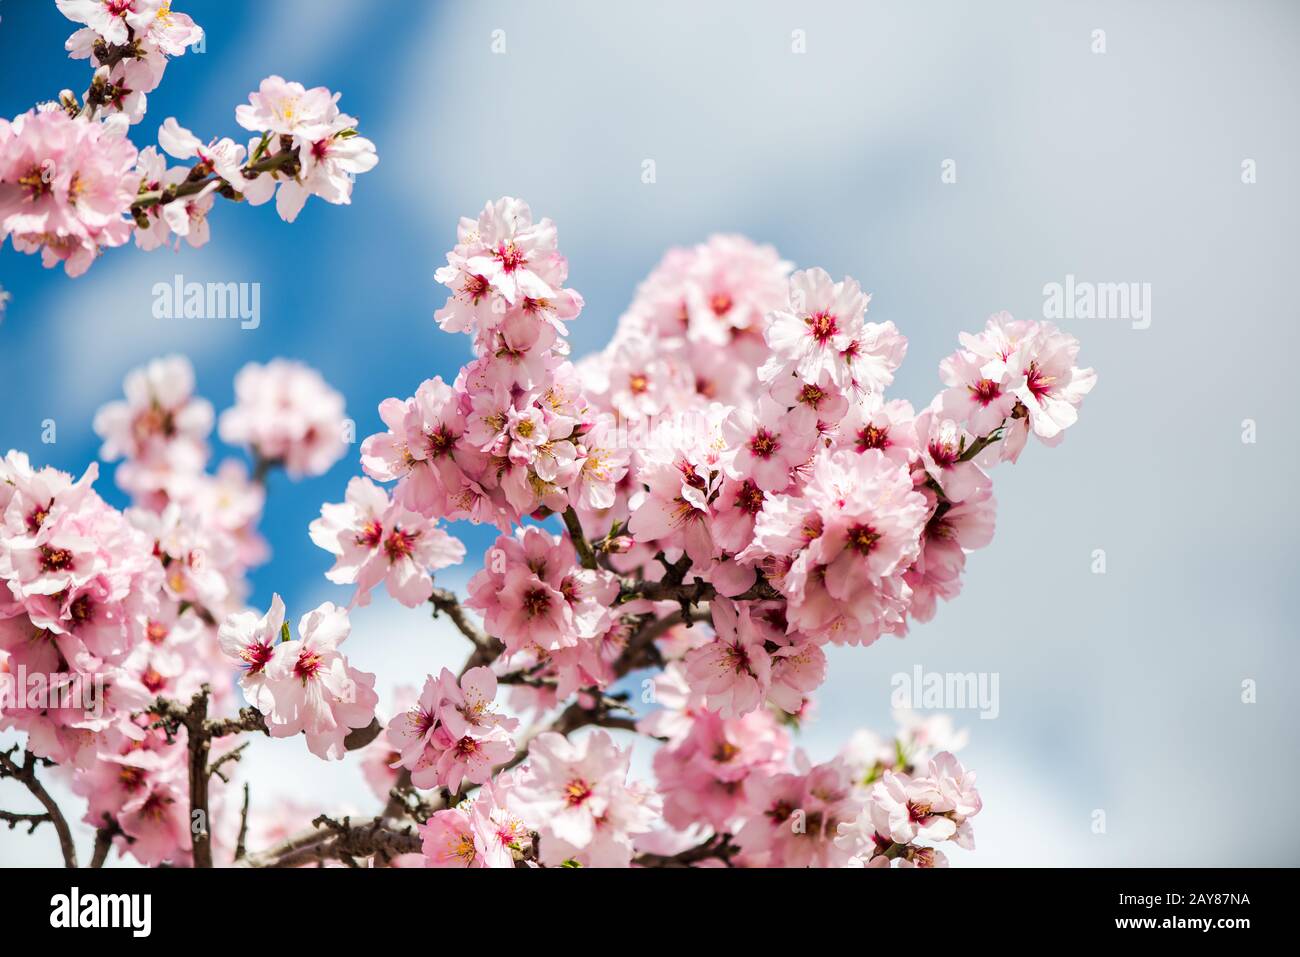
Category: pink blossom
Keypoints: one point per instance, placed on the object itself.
(766, 444)
(161, 423)
(287, 414)
(310, 687)
(946, 455)
(733, 671)
(813, 335)
(289, 109)
(377, 540)
(452, 734)
(114, 20)
(577, 796)
(251, 640)
(796, 818)
(873, 423)
(66, 186)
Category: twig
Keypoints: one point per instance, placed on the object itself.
(104, 840)
(486, 648)
(697, 592)
(243, 827)
(286, 160)
(232, 755)
(717, 847)
(579, 538)
(25, 774)
(13, 819)
(340, 840)
(250, 719)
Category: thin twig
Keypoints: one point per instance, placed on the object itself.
(717, 847)
(25, 774)
(243, 827)
(580, 544)
(13, 819)
(104, 840)
(340, 840)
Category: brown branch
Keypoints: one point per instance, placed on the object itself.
(285, 161)
(579, 538)
(104, 840)
(697, 592)
(340, 840)
(486, 648)
(243, 827)
(250, 719)
(717, 847)
(199, 733)
(13, 819)
(25, 774)
(199, 742)
(234, 754)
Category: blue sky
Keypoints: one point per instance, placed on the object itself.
(1120, 692)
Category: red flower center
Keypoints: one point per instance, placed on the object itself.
(862, 539)
(510, 257)
(873, 437)
(537, 601)
(370, 534)
(307, 665)
(399, 544)
(823, 326)
(576, 792)
(55, 559)
(985, 391)
(764, 443)
(750, 498)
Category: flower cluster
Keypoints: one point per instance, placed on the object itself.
(129, 43)
(548, 610)
(303, 685)
(716, 497)
(80, 588)
(72, 183)
(104, 612)
(484, 832)
(740, 776)
(512, 435)
(287, 415)
(452, 734)
(378, 540)
(66, 187)
(580, 802)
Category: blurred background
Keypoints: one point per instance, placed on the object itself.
(1118, 692)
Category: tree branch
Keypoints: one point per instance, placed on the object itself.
(104, 840)
(339, 840)
(718, 847)
(486, 648)
(25, 774)
(580, 544)
(285, 161)
(13, 819)
(243, 827)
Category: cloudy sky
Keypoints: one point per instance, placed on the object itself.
(1118, 692)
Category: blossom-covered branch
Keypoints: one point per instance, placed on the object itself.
(698, 511)
(72, 183)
